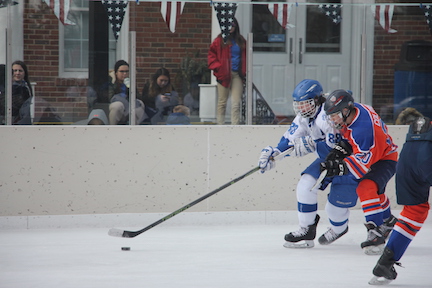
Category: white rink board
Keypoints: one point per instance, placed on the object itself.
(82, 170)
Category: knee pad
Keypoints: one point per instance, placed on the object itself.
(343, 192)
(304, 193)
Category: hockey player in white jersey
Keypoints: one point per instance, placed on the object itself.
(310, 132)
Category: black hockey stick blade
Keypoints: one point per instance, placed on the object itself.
(130, 234)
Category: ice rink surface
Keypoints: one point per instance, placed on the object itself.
(214, 256)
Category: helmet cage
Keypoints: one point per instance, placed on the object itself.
(338, 119)
(306, 108)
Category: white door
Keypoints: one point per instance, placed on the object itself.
(315, 48)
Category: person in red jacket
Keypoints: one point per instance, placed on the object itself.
(228, 62)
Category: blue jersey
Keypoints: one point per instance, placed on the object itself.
(369, 138)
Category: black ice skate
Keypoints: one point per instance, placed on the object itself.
(384, 271)
(388, 226)
(330, 236)
(374, 244)
(302, 238)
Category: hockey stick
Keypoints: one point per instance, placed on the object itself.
(130, 234)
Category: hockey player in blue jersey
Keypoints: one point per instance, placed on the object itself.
(373, 162)
(310, 132)
(413, 182)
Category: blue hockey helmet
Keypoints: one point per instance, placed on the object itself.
(305, 96)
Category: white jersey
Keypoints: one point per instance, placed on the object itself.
(318, 128)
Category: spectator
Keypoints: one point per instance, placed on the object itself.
(191, 99)
(407, 116)
(97, 117)
(159, 96)
(118, 93)
(22, 94)
(180, 116)
(228, 62)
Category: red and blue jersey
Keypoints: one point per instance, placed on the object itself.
(369, 138)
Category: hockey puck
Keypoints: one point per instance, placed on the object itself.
(125, 248)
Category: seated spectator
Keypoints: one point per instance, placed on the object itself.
(180, 116)
(191, 99)
(159, 97)
(119, 97)
(407, 116)
(97, 117)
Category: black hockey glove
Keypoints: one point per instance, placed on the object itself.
(336, 167)
(340, 151)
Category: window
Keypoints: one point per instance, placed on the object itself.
(322, 35)
(269, 35)
(74, 42)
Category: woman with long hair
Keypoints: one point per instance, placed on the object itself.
(21, 93)
(228, 62)
(159, 96)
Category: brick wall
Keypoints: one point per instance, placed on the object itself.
(410, 23)
(156, 47)
(41, 51)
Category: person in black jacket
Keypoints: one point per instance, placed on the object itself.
(21, 93)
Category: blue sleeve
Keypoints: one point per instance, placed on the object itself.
(283, 144)
(322, 149)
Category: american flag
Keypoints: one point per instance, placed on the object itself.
(225, 14)
(171, 12)
(427, 9)
(333, 11)
(281, 12)
(116, 10)
(61, 10)
(384, 14)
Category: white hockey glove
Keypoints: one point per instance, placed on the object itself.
(266, 161)
(303, 145)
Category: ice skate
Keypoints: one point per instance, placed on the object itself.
(302, 238)
(384, 271)
(374, 244)
(330, 236)
(388, 226)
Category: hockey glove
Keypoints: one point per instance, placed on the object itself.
(341, 150)
(266, 161)
(336, 167)
(303, 145)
